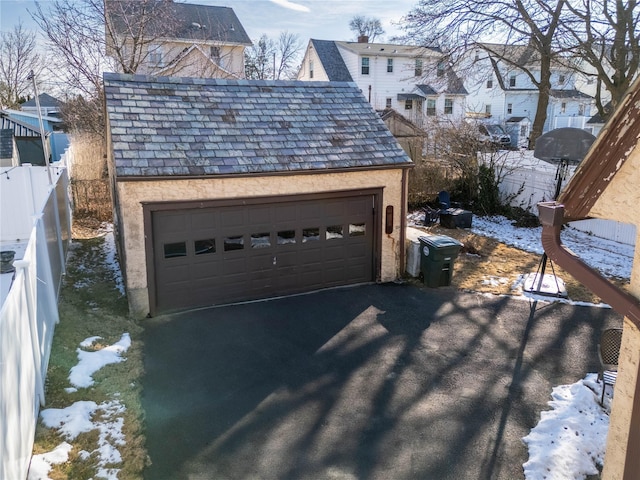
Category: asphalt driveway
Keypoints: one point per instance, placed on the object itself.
(370, 382)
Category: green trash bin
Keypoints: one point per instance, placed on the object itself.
(437, 255)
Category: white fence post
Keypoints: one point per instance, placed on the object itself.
(29, 273)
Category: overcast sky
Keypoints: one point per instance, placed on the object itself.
(321, 19)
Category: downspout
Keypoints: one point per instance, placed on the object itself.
(403, 221)
(551, 216)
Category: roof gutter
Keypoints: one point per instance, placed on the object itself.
(551, 216)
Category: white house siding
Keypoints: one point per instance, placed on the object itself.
(571, 116)
(523, 104)
(523, 96)
(319, 74)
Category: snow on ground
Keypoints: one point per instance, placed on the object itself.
(612, 259)
(86, 416)
(109, 249)
(570, 440)
(91, 362)
(41, 464)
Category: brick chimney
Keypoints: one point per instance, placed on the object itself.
(363, 39)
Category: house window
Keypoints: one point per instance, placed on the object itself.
(418, 67)
(490, 83)
(487, 110)
(310, 68)
(388, 102)
(214, 52)
(440, 69)
(563, 107)
(590, 80)
(155, 55)
(365, 66)
(524, 131)
(581, 109)
(408, 104)
(448, 106)
(561, 79)
(509, 108)
(512, 80)
(431, 107)
(389, 65)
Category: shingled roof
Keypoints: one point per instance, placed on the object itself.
(332, 61)
(169, 126)
(185, 21)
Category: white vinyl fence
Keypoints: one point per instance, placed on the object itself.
(41, 215)
(527, 181)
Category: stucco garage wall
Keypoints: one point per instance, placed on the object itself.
(620, 202)
(131, 195)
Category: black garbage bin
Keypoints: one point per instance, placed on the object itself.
(455, 218)
(437, 255)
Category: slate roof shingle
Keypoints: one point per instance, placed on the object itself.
(169, 126)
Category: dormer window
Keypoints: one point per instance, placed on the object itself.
(310, 68)
(440, 69)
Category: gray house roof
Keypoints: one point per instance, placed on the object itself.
(46, 101)
(332, 61)
(571, 93)
(184, 21)
(168, 126)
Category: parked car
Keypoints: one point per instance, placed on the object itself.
(494, 135)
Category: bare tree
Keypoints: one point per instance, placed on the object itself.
(259, 59)
(91, 36)
(605, 37)
(273, 59)
(455, 26)
(18, 57)
(366, 27)
(288, 49)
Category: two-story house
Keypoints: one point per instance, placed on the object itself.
(414, 81)
(176, 39)
(502, 91)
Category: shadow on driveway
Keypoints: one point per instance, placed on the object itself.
(370, 382)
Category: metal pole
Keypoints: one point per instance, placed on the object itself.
(561, 171)
(45, 147)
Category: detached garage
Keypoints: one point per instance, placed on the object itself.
(235, 190)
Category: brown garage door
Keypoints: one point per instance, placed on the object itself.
(220, 254)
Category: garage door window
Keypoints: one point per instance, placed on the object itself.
(286, 237)
(178, 249)
(233, 243)
(203, 247)
(334, 232)
(310, 234)
(356, 229)
(260, 240)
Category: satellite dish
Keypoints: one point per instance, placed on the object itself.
(563, 144)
